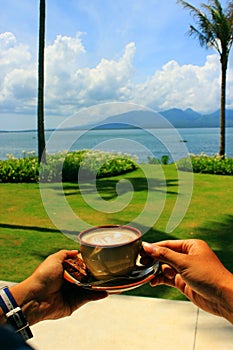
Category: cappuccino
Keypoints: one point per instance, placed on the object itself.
(110, 251)
(109, 236)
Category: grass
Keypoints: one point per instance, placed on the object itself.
(28, 235)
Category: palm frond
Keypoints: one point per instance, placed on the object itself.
(215, 25)
(215, 28)
(193, 10)
(205, 34)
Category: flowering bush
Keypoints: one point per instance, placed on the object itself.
(61, 166)
(207, 164)
(103, 164)
(23, 169)
(65, 166)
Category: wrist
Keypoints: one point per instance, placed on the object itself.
(14, 314)
(25, 298)
(227, 298)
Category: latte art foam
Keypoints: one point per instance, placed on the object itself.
(109, 237)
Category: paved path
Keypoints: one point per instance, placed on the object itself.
(135, 323)
(122, 322)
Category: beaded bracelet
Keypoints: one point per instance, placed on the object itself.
(14, 313)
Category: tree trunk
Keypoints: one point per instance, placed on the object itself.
(223, 106)
(40, 110)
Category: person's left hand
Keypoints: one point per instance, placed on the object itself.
(46, 295)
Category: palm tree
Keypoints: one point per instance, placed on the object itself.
(216, 31)
(40, 107)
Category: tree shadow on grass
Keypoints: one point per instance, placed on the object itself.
(219, 235)
(42, 254)
(38, 229)
(107, 187)
(31, 228)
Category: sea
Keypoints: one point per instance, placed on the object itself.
(142, 144)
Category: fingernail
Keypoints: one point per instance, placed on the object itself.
(73, 251)
(148, 247)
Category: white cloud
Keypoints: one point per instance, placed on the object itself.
(186, 86)
(7, 40)
(71, 84)
(69, 87)
(17, 75)
(12, 54)
(110, 78)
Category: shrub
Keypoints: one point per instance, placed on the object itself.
(89, 163)
(153, 160)
(71, 165)
(23, 169)
(207, 164)
(65, 166)
(62, 165)
(104, 164)
(164, 159)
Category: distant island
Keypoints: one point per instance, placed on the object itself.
(190, 119)
(177, 117)
(148, 119)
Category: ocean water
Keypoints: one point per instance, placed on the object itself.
(136, 142)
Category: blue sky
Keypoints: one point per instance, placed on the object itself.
(101, 51)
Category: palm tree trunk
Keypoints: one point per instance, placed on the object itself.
(40, 110)
(223, 107)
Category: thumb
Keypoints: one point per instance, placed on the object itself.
(165, 255)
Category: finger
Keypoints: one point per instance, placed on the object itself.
(165, 255)
(166, 276)
(185, 246)
(168, 271)
(178, 246)
(63, 254)
(161, 279)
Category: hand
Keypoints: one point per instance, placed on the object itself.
(46, 295)
(193, 268)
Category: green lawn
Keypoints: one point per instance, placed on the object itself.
(27, 234)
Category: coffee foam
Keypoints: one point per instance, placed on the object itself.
(108, 237)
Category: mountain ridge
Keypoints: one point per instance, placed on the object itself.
(177, 117)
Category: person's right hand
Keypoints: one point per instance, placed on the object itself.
(193, 268)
